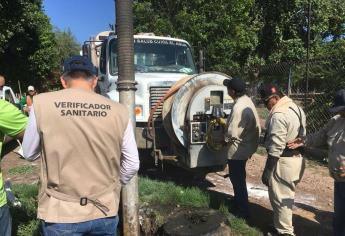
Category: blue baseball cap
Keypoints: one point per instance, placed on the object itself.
(79, 63)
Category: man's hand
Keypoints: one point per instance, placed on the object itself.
(26, 109)
(270, 164)
(296, 143)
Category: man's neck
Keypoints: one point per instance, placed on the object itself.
(80, 85)
(86, 88)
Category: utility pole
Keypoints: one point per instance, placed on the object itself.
(290, 80)
(126, 88)
(201, 61)
(308, 54)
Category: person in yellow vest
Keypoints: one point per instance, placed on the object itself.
(26, 102)
(88, 152)
(12, 123)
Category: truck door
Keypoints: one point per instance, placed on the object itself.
(9, 96)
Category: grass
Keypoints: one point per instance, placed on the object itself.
(238, 225)
(164, 196)
(21, 170)
(167, 193)
(24, 217)
(261, 151)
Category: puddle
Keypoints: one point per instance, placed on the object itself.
(260, 192)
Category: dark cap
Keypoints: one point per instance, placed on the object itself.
(236, 84)
(268, 90)
(339, 102)
(79, 63)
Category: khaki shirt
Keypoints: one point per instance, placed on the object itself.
(332, 135)
(283, 125)
(243, 129)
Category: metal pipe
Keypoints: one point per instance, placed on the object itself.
(308, 54)
(290, 81)
(126, 88)
(201, 61)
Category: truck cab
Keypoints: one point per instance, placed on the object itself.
(7, 94)
(159, 62)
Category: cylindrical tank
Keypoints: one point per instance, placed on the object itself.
(175, 108)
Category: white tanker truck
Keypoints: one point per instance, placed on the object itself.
(180, 114)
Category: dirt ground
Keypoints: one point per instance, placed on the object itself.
(313, 204)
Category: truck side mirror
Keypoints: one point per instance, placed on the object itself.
(85, 50)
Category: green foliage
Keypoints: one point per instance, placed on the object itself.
(27, 47)
(284, 33)
(227, 30)
(239, 34)
(66, 43)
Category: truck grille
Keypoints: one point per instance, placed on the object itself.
(156, 94)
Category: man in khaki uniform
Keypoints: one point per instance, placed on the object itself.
(284, 167)
(332, 135)
(242, 136)
(88, 151)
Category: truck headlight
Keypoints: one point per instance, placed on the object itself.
(138, 110)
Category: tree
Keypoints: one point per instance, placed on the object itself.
(27, 47)
(66, 43)
(241, 34)
(226, 29)
(283, 36)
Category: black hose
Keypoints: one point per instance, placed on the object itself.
(125, 41)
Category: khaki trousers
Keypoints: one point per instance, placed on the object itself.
(281, 191)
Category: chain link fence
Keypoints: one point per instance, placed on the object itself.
(311, 86)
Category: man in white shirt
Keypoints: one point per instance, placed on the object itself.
(88, 151)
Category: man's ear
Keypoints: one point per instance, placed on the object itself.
(94, 82)
(63, 82)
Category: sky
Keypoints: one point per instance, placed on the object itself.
(85, 18)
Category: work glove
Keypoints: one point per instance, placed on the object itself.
(270, 164)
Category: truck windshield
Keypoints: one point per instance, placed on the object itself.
(156, 55)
